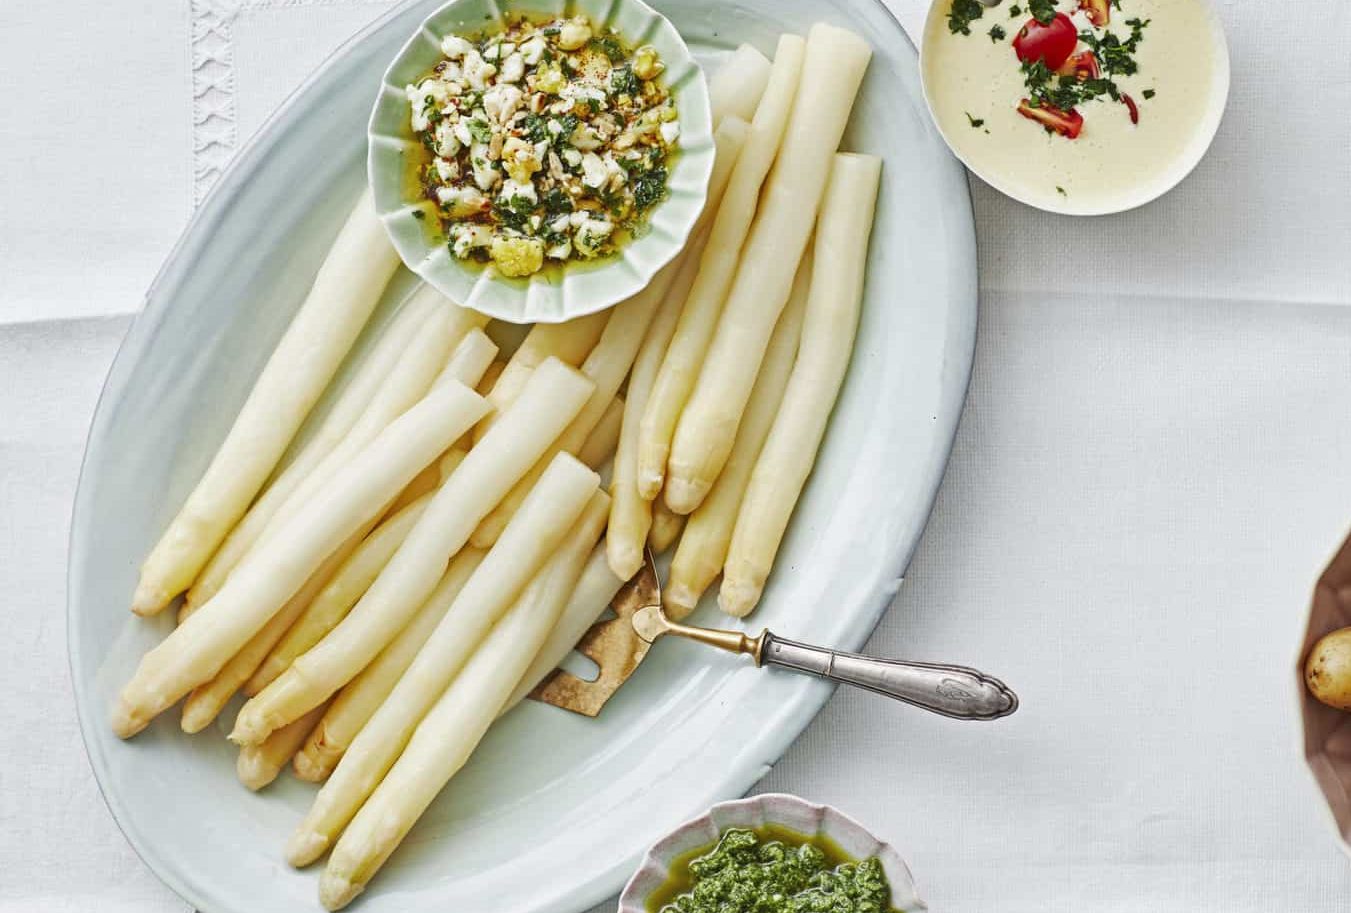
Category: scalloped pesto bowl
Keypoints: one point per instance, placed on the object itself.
(574, 288)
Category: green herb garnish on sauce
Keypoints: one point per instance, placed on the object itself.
(997, 33)
(976, 122)
(962, 14)
(748, 872)
(1042, 10)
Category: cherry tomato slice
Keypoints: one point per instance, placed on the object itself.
(1099, 12)
(1068, 124)
(1052, 43)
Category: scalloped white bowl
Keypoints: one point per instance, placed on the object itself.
(583, 288)
(791, 812)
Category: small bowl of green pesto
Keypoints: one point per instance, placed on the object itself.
(538, 160)
(772, 853)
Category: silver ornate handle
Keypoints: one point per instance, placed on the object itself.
(953, 691)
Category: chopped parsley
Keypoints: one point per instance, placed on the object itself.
(997, 33)
(1042, 10)
(1116, 57)
(419, 214)
(623, 82)
(535, 129)
(1148, 93)
(650, 187)
(610, 47)
(1015, 11)
(479, 130)
(976, 122)
(963, 13)
(1061, 190)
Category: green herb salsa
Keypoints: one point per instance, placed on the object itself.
(772, 870)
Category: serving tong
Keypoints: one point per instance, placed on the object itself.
(617, 645)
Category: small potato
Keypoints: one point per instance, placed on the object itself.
(1327, 671)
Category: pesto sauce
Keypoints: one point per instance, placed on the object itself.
(772, 870)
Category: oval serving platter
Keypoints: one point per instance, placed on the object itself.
(554, 811)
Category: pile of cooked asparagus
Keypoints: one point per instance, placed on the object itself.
(386, 563)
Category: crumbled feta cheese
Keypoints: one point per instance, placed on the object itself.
(463, 134)
(584, 138)
(447, 170)
(670, 132)
(501, 101)
(572, 157)
(516, 257)
(454, 47)
(418, 97)
(511, 189)
(447, 141)
(590, 235)
(560, 224)
(477, 70)
(560, 251)
(615, 176)
(593, 171)
(485, 175)
(533, 50)
(574, 34)
(465, 236)
(461, 201)
(513, 68)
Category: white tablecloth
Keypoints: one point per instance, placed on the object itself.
(1151, 469)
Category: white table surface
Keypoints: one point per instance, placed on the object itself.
(1151, 469)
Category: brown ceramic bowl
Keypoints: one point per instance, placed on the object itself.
(1327, 732)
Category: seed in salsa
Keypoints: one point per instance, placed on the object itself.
(549, 142)
(748, 872)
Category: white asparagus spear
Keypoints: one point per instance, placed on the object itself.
(459, 716)
(470, 359)
(537, 530)
(831, 74)
(666, 527)
(717, 266)
(258, 765)
(703, 544)
(595, 590)
(607, 365)
(350, 403)
(408, 381)
(206, 701)
(345, 292)
(357, 702)
(735, 88)
(332, 603)
(262, 584)
(630, 513)
(613, 356)
(600, 444)
(828, 330)
(568, 342)
(553, 395)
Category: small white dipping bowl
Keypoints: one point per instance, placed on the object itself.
(1128, 197)
(583, 287)
(780, 809)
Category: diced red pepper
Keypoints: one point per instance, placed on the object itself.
(1099, 11)
(1051, 43)
(1068, 124)
(1083, 65)
(1132, 107)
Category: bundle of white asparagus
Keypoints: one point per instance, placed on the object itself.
(386, 573)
